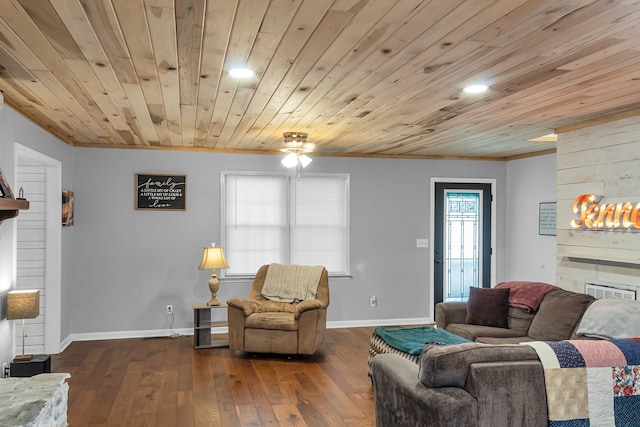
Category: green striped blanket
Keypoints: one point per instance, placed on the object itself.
(413, 340)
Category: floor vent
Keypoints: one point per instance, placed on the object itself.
(599, 291)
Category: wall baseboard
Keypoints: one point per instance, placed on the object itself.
(166, 333)
(65, 343)
(378, 322)
(153, 333)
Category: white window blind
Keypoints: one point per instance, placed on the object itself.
(285, 219)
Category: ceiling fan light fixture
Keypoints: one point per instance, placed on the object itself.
(304, 160)
(241, 73)
(295, 138)
(296, 148)
(290, 160)
(475, 89)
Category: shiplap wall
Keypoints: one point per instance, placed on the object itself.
(31, 253)
(602, 160)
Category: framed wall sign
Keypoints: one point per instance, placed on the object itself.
(547, 219)
(163, 192)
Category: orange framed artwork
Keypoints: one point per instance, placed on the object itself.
(67, 208)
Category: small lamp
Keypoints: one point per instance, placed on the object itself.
(23, 305)
(213, 258)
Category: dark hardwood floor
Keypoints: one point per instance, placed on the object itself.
(166, 382)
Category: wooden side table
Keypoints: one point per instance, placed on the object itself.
(39, 364)
(202, 325)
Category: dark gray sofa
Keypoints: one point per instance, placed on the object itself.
(491, 382)
(461, 385)
(557, 318)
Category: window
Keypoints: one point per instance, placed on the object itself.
(287, 219)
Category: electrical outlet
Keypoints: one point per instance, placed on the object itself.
(169, 309)
(373, 301)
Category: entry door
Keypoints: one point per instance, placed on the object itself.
(462, 239)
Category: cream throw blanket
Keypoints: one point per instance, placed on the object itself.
(290, 283)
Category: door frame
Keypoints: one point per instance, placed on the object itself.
(53, 238)
(432, 196)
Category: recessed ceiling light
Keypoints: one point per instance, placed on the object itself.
(552, 137)
(475, 89)
(241, 73)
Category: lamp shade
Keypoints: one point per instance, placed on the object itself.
(304, 160)
(212, 258)
(23, 304)
(290, 160)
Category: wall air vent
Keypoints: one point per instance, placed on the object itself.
(601, 291)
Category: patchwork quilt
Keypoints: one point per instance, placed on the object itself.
(591, 382)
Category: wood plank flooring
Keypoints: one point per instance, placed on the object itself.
(166, 382)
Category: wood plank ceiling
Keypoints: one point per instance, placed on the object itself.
(361, 77)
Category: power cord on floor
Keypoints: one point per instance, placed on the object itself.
(173, 334)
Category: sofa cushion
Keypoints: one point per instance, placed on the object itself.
(504, 340)
(488, 307)
(558, 316)
(448, 365)
(610, 319)
(471, 332)
(519, 320)
(273, 320)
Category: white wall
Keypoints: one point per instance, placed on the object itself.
(122, 266)
(129, 264)
(16, 128)
(530, 256)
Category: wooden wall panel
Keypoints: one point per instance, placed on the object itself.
(370, 78)
(31, 246)
(602, 160)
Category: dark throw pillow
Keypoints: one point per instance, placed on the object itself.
(488, 307)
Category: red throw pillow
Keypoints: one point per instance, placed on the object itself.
(488, 307)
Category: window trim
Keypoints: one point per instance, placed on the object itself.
(223, 197)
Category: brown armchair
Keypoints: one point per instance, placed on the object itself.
(260, 325)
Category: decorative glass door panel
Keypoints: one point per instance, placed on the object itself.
(462, 241)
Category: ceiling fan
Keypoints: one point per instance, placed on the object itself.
(297, 149)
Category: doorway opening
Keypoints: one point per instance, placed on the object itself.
(39, 245)
(463, 237)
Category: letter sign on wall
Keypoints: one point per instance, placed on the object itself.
(592, 215)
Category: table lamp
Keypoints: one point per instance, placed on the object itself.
(23, 305)
(212, 258)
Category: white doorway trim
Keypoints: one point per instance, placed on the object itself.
(53, 249)
(494, 255)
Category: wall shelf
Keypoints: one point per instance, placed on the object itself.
(10, 208)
